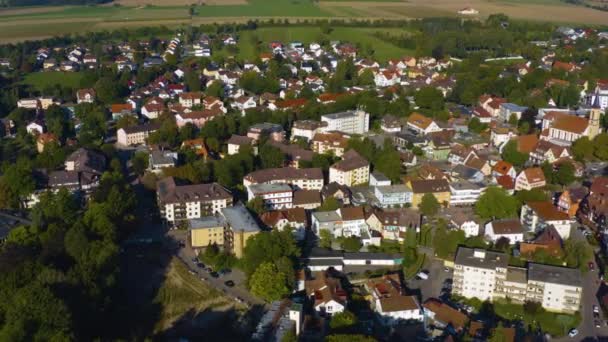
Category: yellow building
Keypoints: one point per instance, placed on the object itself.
(207, 231)
(241, 226)
(440, 188)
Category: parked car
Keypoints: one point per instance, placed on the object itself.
(596, 309)
(573, 332)
(423, 275)
(229, 283)
(591, 266)
(597, 324)
(214, 274)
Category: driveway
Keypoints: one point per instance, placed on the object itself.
(431, 287)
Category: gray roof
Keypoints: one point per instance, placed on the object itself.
(163, 157)
(393, 189)
(485, 259)
(327, 216)
(239, 219)
(554, 274)
(517, 275)
(464, 185)
(370, 256)
(264, 188)
(348, 113)
(207, 222)
(514, 107)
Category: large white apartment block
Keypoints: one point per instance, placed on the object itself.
(275, 196)
(486, 275)
(135, 135)
(465, 193)
(184, 202)
(350, 122)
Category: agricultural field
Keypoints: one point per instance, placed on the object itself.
(42, 22)
(306, 34)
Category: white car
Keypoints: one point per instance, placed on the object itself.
(573, 332)
(596, 309)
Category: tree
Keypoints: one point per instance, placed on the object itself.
(502, 244)
(600, 142)
(512, 155)
(445, 243)
(349, 338)
(532, 307)
(565, 174)
(256, 205)
(582, 149)
(106, 90)
(325, 238)
(476, 126)
(126, 121)
(329, 204)
(410, 256)
(496, 203)
(430, 98)
(271, 157)
(513, 119)
(387, 161)
(342, 321)
(268, 247)
(19, 178)
(429, 205)
(352, 244)
(139, 163)
(268, 283)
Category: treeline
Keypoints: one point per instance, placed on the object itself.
(16, 3)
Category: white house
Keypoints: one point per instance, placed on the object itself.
(538, 215)
(508, 228)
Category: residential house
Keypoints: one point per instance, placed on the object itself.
(511, 229)
(120, 110)
(44, 139)
(422, 124)
(538, 215)
(509, 109)
(437, 187)
(393, 224)
(236, 141)
(390, 124)
(548, 151)
(190, 99)
(326, 293)
(445, 316)
(340, 192)
(530, 178)
(273, 131)
(351, 170)
(85, 95)
(281, 219)
(391, 302)
(570, 200)
(306, 129)
(547, 240)
(463, 192)
(594, 208)
(463, 219)
(347, 221)
(377, 178)
(504, 168)
(159, 160)
(307, 199)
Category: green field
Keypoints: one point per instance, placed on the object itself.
(307, 34)
(260, 8)
(41, 80)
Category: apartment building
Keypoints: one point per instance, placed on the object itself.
(136, 135)
(275, 196)
(330, 142)
(558, 289)
(206, 231)
(350, 171)
(236, 141)
(240, 227)
(437, 187)
(538, 215)
(393, 224)
(465, 193)
(486, 275)
(306, 129)
(475, 272)
(306, 179)
(182, 202)
(393, 195)
(349, 122)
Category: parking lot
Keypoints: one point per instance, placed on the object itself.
(431, 287)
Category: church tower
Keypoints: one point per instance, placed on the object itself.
(594, 120)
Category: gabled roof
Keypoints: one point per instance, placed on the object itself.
(419, 120)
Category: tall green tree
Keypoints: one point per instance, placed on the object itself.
(496, 203)
(268, 283)
(429, 205)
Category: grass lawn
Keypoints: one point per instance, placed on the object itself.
(41, 80)
(425, 237)
(182, 292)
(412, 270)
(306, 34)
